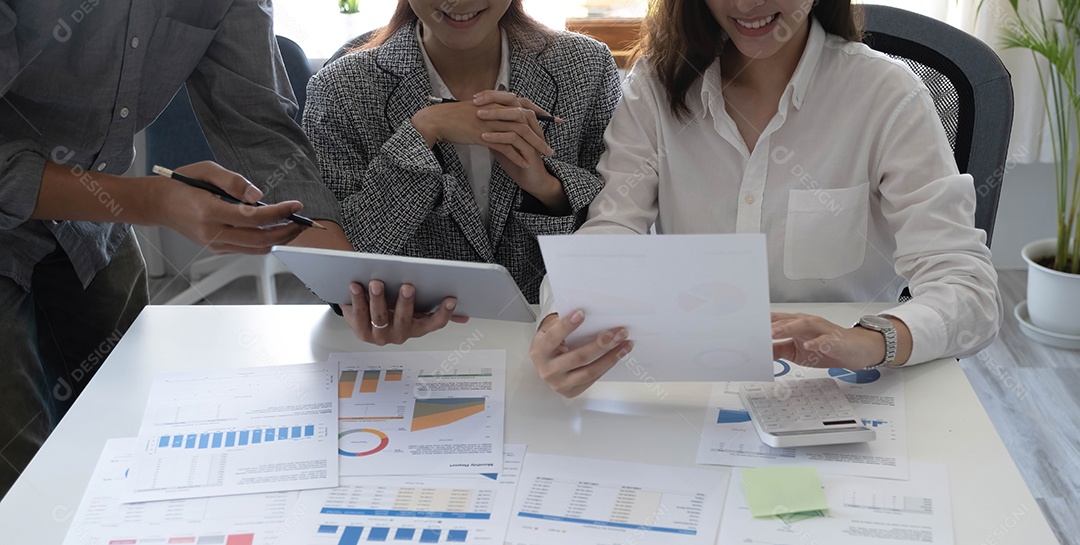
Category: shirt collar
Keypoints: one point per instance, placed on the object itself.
(712, 86)
(438, 86)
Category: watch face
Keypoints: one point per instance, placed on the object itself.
(877, 322)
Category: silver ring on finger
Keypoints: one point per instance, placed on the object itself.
(377, 326)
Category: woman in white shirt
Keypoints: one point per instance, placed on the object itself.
(770, 116)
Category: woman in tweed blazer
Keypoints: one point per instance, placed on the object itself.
(406, 193)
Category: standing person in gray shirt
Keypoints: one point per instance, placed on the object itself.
(78, 80)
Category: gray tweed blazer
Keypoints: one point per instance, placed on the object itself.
(400, 197)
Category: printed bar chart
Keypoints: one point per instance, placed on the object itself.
(354, 535)
(370, 383)
(346, 384)
(234, 438)
(351, 535)
(432, 413)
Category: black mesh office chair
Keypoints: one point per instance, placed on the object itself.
(176, 139)
(971, 89)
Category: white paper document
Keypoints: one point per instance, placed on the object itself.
(426, 413)
(729, 438)
(252, 519)
(237, 431)
(861, 511)
(695, 306)
(586, 501)
(411, 509)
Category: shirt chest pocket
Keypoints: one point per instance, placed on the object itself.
(826, 232)
(175, 49)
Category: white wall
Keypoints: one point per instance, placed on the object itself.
(1026, 212)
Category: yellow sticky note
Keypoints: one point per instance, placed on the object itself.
(774, 491)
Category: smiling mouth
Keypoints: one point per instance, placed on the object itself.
(462, 17)
(756, 23)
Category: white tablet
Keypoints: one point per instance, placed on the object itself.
(483, 290)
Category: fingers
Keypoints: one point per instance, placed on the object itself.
(593, 350)
(570, 372)
(580, 379)
(801, 327)
(547, 340)
(528, 104)
(401, 330)
(516, 115)
(438, 319)
(358, 315)
(510, 153)
(504, 98)
(504, 132)
(233, 183)
(784, 350)
(380, 316)
(247, 240)
(369, 309)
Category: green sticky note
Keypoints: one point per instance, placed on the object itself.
(772, 491)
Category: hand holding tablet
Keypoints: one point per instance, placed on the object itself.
(372, 320)
(393, 298)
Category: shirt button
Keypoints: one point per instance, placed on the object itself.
(135, 42)
(124, 113)
(749, 198)
(101, 166)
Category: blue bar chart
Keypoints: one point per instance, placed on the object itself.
(355, 534)
(235, 438)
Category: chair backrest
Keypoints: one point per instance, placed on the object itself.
(175, 138)
(971, 89)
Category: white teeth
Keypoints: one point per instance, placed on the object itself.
(462, 17)
(756, 24)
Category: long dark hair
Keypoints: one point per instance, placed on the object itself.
(681, 38)
(515, 22)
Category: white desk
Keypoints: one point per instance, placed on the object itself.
(991, 503)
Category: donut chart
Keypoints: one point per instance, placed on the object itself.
(784, 369)
(363, 442)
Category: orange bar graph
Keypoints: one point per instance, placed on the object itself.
(393, 375)
(432, 413)
(346, 384)
(370, 383)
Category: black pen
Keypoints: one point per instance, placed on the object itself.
(206, 186)
(550, 118)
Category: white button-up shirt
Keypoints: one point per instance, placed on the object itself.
(476, 161)
(853, 182)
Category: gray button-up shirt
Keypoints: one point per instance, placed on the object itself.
(78, 79)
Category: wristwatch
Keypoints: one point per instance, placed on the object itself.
(885, 327)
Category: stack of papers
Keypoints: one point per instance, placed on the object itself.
(408, 448)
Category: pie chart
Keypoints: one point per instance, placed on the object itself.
(361, 442)
(862, 376)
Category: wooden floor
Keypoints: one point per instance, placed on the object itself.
(1031, 392)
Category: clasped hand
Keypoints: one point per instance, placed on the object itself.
(504, 123)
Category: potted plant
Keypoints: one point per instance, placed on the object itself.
(1053, 303)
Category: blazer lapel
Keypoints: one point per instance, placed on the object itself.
(401, 57)
(528, 79)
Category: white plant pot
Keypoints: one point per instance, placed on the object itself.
(1053, 297)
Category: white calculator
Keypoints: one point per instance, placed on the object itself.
(802, 413)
